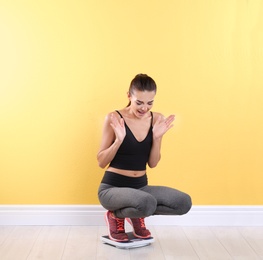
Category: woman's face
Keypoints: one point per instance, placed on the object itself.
(141, 102)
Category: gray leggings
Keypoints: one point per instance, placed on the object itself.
(143, 202)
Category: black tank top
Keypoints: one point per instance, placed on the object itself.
(132, 154)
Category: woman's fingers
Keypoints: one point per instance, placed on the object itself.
(169, 120)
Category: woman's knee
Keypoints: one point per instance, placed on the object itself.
(147, 205)
(186, 204)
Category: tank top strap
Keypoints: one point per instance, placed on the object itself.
(119, 113)
(150, 112)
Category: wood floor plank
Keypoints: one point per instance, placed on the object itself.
(150, 252)
(205, 243)
(234, 243)
(19, 243)
(174, 243)
(5, 231)
(171, 242)
(254, 236)
(50, 243)
(81, 243)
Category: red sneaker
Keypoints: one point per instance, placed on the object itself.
(115, 227)
(139, 229)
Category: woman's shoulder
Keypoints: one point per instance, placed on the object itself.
(114, 112)
(157, 115)
(109, 115)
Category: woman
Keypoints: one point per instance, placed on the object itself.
(131, 140)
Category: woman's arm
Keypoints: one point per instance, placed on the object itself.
(155, 154)
(160, 127)
(112, 137)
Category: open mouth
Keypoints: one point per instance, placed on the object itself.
(142, 112)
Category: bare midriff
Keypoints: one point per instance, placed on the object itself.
(128, 173)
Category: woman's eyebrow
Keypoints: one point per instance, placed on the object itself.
(143, 102)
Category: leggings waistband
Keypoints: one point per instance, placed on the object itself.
(118, 180)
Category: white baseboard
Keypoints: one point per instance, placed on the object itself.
(78, 215)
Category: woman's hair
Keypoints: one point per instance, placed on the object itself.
(142, 82)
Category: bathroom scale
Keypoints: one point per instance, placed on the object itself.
(133, 242)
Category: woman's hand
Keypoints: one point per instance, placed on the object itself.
(118, 127)
(112, 137)
(162, 125)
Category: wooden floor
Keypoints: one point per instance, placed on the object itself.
(171, 242)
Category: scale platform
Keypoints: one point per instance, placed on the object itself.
(133, 242)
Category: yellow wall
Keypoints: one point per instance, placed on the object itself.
(65, 64)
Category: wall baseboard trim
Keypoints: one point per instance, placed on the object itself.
(78, 215)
